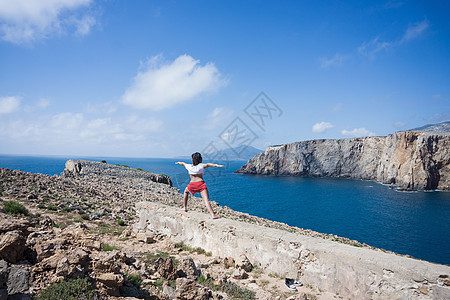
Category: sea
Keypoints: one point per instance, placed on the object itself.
(412, 223)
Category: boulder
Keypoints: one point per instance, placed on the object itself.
(4, 271)
(166, 268)
(239, 274)
(169, 292)
(228, 262)
(12, 246)
(244, 263)
(189, 289)
(14, 224)
(44, 250)
(187, 268)
(111, 282)
(18, 280)
(146, 237)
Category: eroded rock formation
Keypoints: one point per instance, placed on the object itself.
(411, 160)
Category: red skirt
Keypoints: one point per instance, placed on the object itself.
(196, 187)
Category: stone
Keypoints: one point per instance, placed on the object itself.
(14, 224)
(166, 268)
(244, 263)
(12, 246)
(146, 237)
(299, 296)
(18, 280)
(4, 272)
(189, 289)
(44, 250)
(111, 279)
(228, 262)
(239, 274)
(188, 268)
(111, 263)
(46, 221)
(169, 292)
(112, 282)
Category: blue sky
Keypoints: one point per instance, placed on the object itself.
(167, 78)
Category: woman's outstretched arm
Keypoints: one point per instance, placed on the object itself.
(180, 163)
(212, 165)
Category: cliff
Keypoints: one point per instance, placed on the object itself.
(410, 160)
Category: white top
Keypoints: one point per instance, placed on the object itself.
(194, 170)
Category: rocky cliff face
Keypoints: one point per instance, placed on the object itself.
(411, 160)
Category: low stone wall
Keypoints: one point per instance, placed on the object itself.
(356, 273)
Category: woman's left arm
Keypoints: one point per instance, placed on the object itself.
(212, 165)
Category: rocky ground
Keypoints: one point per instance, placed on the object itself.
(78, 231)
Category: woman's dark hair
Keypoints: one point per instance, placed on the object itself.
(196, 158)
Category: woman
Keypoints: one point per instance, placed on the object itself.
(197, 185)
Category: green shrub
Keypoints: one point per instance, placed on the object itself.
(104, 161)
(159, 283)
(197, 250)
(85, 216)
(107, 247)
(121, 222)
(126, 166)
(139, 169)
(15, 208)
(70, 289)
(134, 279)
(52, 207)
(232, 289)
(41, 206)
(46, 199)
(67, 209)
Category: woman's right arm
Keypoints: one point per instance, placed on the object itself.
(180, 163)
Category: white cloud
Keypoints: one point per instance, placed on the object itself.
(218, 117)
(24, 21)
(43, 103)
(9, 104)
(336, 61)
(78, 129)
(357, 132)
(322, 126)
(162, 86)
(393, 4)
(374, 46)
(415, 30)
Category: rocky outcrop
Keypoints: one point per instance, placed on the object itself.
(89, 168)
(410, 160)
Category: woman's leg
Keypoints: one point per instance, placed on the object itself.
(205, 196)
(185, 198)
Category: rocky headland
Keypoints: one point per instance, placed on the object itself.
(101, 231)
(407, 160)
(76, 232)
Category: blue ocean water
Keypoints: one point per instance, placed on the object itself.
(408, 223)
